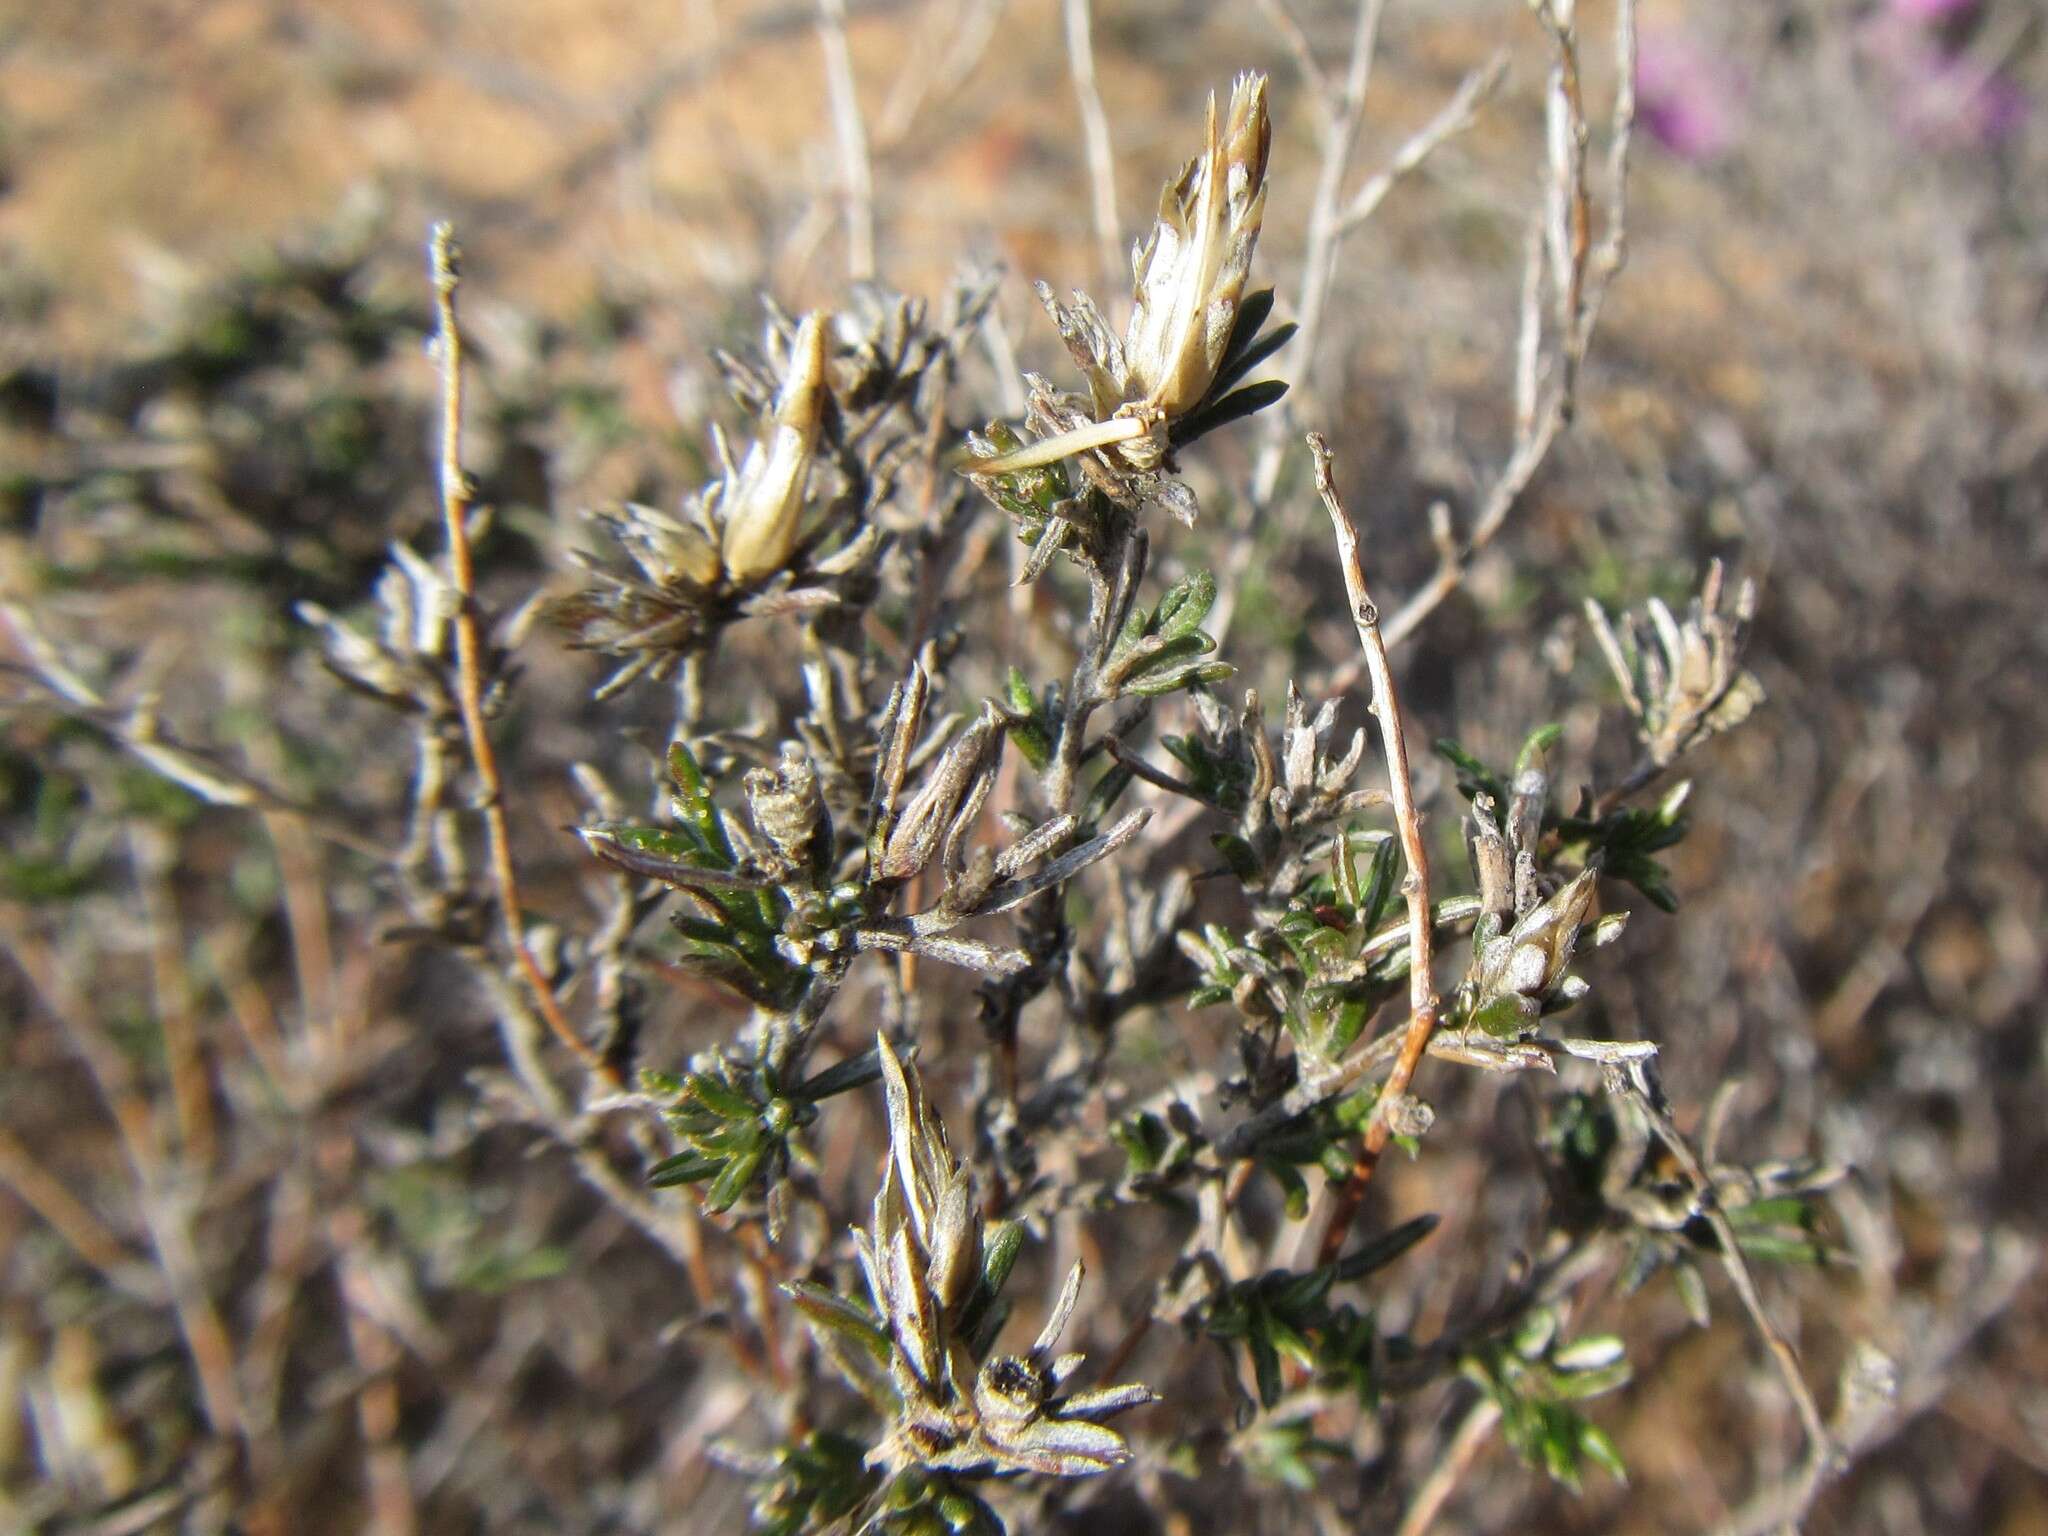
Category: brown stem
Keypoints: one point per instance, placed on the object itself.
(455, 504)
(67, 1215)
(1422, 999)
(1473, 1432)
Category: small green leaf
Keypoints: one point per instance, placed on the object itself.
(1293, 1187)
(828, 1309)
(1598, 1449)
(854, 1072)
(730, 1184)
(1387, 1247)
(999, 1254)
(1237, 853)
(1538, 745)
(683, 1168)
(720, 1097)
(1186, 603)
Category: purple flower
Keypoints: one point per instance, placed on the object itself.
(1955, 102)
(1687, 99)
(1933, 10)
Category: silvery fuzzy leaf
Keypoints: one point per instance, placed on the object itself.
(1062, 1310)
(1063, 1448)
(953, 784)
(915, 1165)
(913, 1317)
(955, 1244)
(1104, 1402)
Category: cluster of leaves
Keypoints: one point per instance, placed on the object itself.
(935, 1278)
(1534, 1377)
(736, 1123)
(1281, 1315)
(1606, 1164)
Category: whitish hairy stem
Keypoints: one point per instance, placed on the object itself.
(1880, 1398)
(455, 507)
(1329, 222)
(1319, 253)
(1580, 285)
(855, 169)
(1819, 1446)
(1422, 999)
(135, 730)
(1095, 135)
(1473, 1432)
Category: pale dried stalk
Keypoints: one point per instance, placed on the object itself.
(855, 167)
(66, 1215)
(1094, 135)
(1452, 119)
(1319, 254)
(455, 503)
(1585, 282)
(164, 1208)
(1304, 54)
(135, 730)
(1436, 1490)
(1328, 225)
(1422, 998)
(386, 1473)
(154, 854)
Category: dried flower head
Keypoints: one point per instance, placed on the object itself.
(932, 1277)
(1682, 682)
(760, 509)
(1185, 334)
(1190, 270)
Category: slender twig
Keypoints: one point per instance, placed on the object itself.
(154, 854)
(161, 1200)
(1564, 229)
(386, 1474)
(68, 1216)
(1568, 215)
(1330, 219)
(1819, 1447)
(1289, 27)
(1926, 1375)
(1319, 252)
(1422, 999)
(455, 503)
(1629, 1073)
(855, 168)
(1094, 133)
(135, 730)
(1452, 119)
(1436, 1490)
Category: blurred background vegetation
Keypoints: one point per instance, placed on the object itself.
(1826, 362)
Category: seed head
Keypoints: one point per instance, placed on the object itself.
(761, 508)
(1190, 270)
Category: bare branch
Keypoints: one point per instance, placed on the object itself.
(856, 171)
(1422, 999)
(1094, 135)
(1452, 119)
(455, 504)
